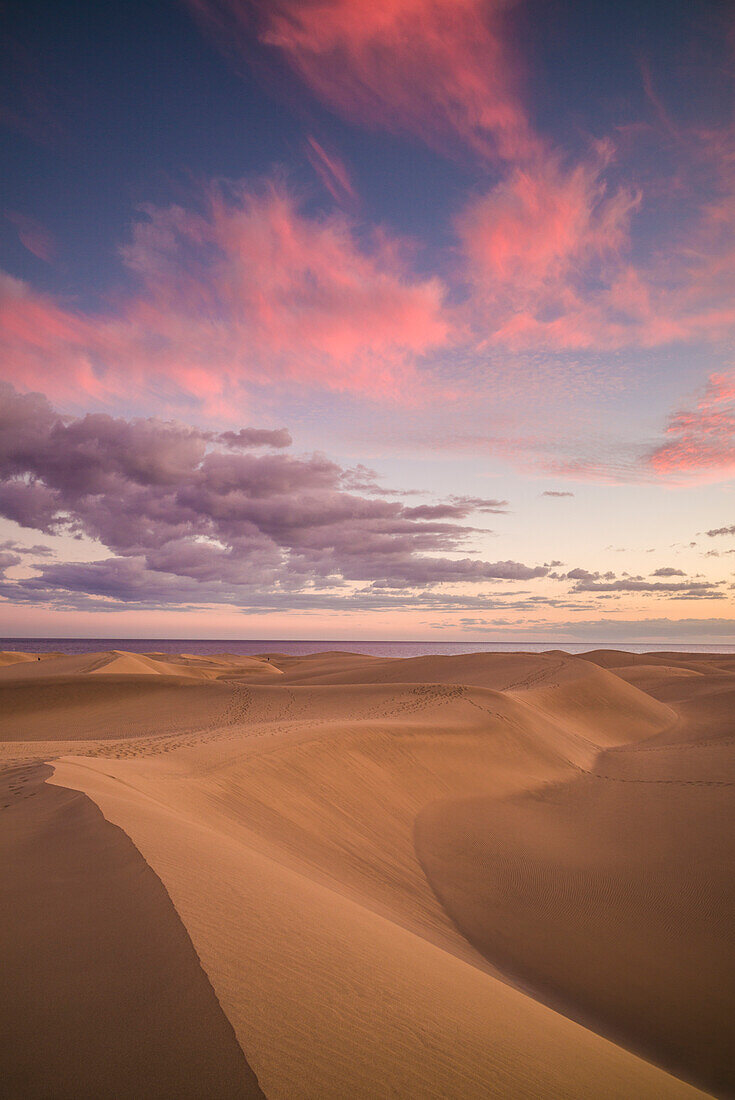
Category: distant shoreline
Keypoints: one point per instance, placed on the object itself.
(375, 647)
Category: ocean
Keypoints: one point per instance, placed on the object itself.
(375, 648)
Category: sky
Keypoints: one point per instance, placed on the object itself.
(368, 319)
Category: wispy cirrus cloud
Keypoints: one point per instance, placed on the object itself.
(332, 171)
(536, 241)
(550, 265)
(247, 288)
(439, 70)
(36, 331)
(548, 248)
(696, 443)
(700, 441)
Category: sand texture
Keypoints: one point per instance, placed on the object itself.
(103, 994)
(491, 875)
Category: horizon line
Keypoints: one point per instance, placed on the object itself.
(359, 641)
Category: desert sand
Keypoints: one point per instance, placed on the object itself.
(489, 875)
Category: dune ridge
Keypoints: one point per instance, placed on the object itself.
(365, 852)
(114, 1002)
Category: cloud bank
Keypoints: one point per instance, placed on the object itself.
(188, 520)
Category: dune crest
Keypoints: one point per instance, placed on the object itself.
(375, 859)
(103, 992)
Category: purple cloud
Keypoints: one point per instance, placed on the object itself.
(256, 437)
(192, 522)
(38, 550)
(608, 582)
(457, 508)
(722, 531)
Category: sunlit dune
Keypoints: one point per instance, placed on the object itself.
(10, 657)
(485, 875)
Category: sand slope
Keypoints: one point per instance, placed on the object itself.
(612, 901)
(612, 894)
(120, 695)
(103, 994)
(14, 657)
(386, 867)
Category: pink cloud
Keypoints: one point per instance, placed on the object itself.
(547, 251)
(251, 291)
(45, 346)
(264, 283)
(533, 242)
(545, 255)
(548, 256)
(332, 172)
(698, 445)
(543, 220)
(437, 69)
(701, 441)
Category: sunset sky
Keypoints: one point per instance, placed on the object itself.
(362, 319)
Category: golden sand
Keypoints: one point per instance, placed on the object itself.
(503, 875)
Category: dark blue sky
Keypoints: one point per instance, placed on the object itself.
(108, 106)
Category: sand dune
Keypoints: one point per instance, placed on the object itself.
(489, 875)
(612, 900)
(74, 708)
(141, 664)
(120, 695)
(119, 663)
(11, 657)
(103, 994)
(501, 671)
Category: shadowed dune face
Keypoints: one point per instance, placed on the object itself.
(612, 895)
(292, 808)
(103, 993)
(613, 903)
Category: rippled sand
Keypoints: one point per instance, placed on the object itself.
(481, 875)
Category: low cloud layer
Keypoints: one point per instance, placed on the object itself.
(584, 581)
(722, 531)
(184, 517)
(190, 518)
(658, 631)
